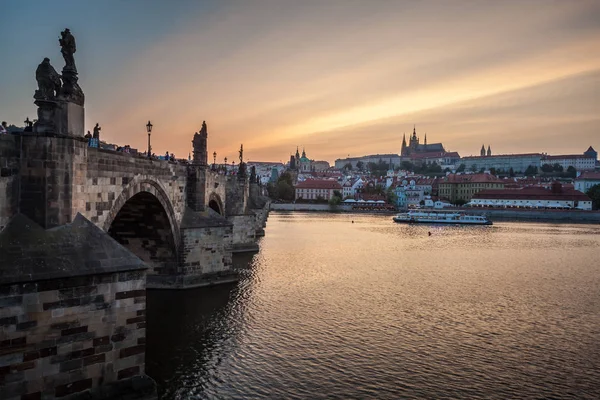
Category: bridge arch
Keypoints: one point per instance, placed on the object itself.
(143, 220)
(215, 203)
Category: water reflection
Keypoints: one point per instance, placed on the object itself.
(371, 309)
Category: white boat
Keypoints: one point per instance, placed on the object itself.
(441, 217)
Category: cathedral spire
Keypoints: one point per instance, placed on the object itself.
(489, 151)
(403, 149)
(425, 139)
(303, 153)
(482, 152)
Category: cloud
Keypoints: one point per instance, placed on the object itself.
(347, 77)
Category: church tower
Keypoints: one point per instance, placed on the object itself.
(489, 152)
(403, 149)
(414, 141)
(482, 152)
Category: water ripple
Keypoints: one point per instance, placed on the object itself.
(330, 309)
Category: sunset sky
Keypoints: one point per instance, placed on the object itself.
(336, 77)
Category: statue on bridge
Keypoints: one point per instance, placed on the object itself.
(48, 81)
(242, 167)
(199, 144)
(97, 130)
(68, 48)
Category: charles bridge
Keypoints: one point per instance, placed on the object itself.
(84, 231)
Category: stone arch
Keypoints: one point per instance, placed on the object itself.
(145, 185)
(215, 203)
(143, 220)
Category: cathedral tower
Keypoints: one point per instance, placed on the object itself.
(482, 152)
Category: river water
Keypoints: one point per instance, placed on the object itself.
(370, 309)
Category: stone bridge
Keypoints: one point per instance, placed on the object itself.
(183, 220)
(84, 231)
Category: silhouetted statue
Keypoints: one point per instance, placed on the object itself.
(199, 145)
(48, 81)
(88, 135)
(68, 48)
(97, 131)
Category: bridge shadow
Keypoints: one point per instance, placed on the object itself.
(187, 330)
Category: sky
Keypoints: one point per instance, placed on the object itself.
(336, 77)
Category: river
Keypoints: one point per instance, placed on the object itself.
(347, 306)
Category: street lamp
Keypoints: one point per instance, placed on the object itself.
(149, 129)
(225, 165)
(214, 160)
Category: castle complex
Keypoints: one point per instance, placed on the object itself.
(415, 147)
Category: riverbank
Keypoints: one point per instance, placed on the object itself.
(592, 217)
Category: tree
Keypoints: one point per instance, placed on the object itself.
(474, 168)
(287, 178)
(285, 191)
(594, 194)
(461, 168)
(482, 170)
(531, 170)
(348, 166)
(360, 165)
(571, 172)
(493, 171)
(337, 193)
(407, 166)
(391, 196)
(511, 172)
(547, 168)
(557, 167)
(460, 202)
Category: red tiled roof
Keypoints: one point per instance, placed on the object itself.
(589, 175)
(567, 156)
(531, 193)
(505, 155)
(318, 184)
(471, 178)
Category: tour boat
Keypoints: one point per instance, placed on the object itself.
(442, 217)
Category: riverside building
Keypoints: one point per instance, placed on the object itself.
(462, 187)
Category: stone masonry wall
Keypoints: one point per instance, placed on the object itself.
(244, 232)
(64, 336)
(206, 255)
(9, 177)
(237, 196)
(51, 169)
(112, 174)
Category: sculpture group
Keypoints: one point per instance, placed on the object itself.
(54, 88)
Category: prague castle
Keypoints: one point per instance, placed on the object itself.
(415, 147)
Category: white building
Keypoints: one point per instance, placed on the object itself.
(580, 162)
(532, 197)
(586, 180)
(503, 162)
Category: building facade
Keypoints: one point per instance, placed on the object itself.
(586, 180)
(503, 162)
(580, 162)
(314, 189)
(556, 197)
(462, 187)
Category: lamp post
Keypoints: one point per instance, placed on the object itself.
(225, 165)
(149, 129)
(214, 160)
